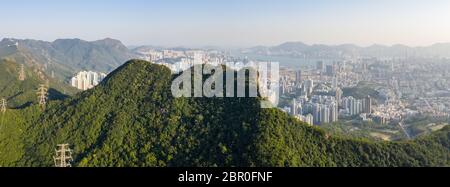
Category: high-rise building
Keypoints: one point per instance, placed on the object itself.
(338, 96)
(299, 109)
(324, 109)
(298, 77)
(320, 66)
(309, 118)
(334, 113)
(284, 85)
(167, 54)
(308, 87)
(335, 82)
(353, 106)
(359, 106)
(85, 80)
(367, 105)
(324, 114)
(316, 114)
(364, 67)
(331, 70)
(294, 107)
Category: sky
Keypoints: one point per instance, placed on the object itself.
(230, 23)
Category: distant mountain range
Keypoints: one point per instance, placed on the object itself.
(66, 56)
(302, 50)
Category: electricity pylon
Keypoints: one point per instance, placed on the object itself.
(3, 105)
(42, 95)
(22, 73)
(63, 156)
(41, 75)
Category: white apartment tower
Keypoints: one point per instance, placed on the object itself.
(85, 80)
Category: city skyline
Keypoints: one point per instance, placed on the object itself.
(230, 23)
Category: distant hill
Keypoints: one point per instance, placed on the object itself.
(102, 55)
(146, 48)
(64, 57)
(362, 90)
(131, 119)
(299, 49)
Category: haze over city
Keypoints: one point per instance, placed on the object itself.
(231, 23)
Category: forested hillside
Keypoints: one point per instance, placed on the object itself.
(132, 119)
(65, 57)
(22, 93)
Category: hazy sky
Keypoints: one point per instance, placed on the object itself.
(230, 22)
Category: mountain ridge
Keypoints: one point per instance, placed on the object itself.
(300, 49)
(67, 56)
(356, 45)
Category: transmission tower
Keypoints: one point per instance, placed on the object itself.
(22, 73)
(63, 156)
(3, 105)
(41, 75)
(42, 94)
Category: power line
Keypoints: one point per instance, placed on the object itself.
(63, 156)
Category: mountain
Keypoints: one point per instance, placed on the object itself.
(131, 119)
(102, 55)
(146, 48)
(64, 57)
(20, 94)
(299, 49)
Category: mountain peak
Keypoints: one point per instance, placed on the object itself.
(68, 39)
(136, 71)
(109, 41)
(294, 44)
